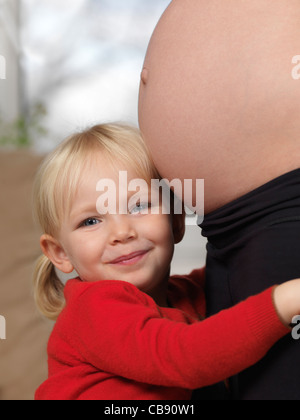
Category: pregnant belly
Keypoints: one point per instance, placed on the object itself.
(217, 99)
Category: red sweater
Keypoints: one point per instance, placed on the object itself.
(112, 342)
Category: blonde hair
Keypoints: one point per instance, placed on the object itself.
(56, 184)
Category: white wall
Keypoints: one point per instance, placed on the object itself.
(9, 52)
(190, 253)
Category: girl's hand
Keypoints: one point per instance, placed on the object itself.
(287, 300)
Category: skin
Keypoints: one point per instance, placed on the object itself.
(90, 241)
(217, 99)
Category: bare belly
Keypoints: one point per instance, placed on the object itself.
(218, 97)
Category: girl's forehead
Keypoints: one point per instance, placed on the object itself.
(101, 172)
(103, 178)
(104, 172)
(103, 167)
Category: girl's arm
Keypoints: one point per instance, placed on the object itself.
(120, 330)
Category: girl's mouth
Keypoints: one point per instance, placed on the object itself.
(130, 259)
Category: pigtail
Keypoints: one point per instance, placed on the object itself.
(48, 289)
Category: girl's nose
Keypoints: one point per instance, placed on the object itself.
(122, 230)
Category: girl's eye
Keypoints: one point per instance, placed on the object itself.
(90, 222)
(140, 208)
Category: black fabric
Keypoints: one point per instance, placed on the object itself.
(254, 243)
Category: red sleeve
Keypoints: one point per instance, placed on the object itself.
(118, 330)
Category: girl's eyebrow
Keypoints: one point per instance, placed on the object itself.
(83, 210)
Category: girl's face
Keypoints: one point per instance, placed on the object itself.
(135, 247)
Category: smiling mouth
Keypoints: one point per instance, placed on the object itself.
(130, 259)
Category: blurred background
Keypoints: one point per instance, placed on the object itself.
(64, 65)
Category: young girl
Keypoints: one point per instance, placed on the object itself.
(125, 330)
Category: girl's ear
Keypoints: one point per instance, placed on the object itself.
(56, 254)
(178, 221)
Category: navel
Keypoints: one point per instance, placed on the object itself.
(144, 75)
